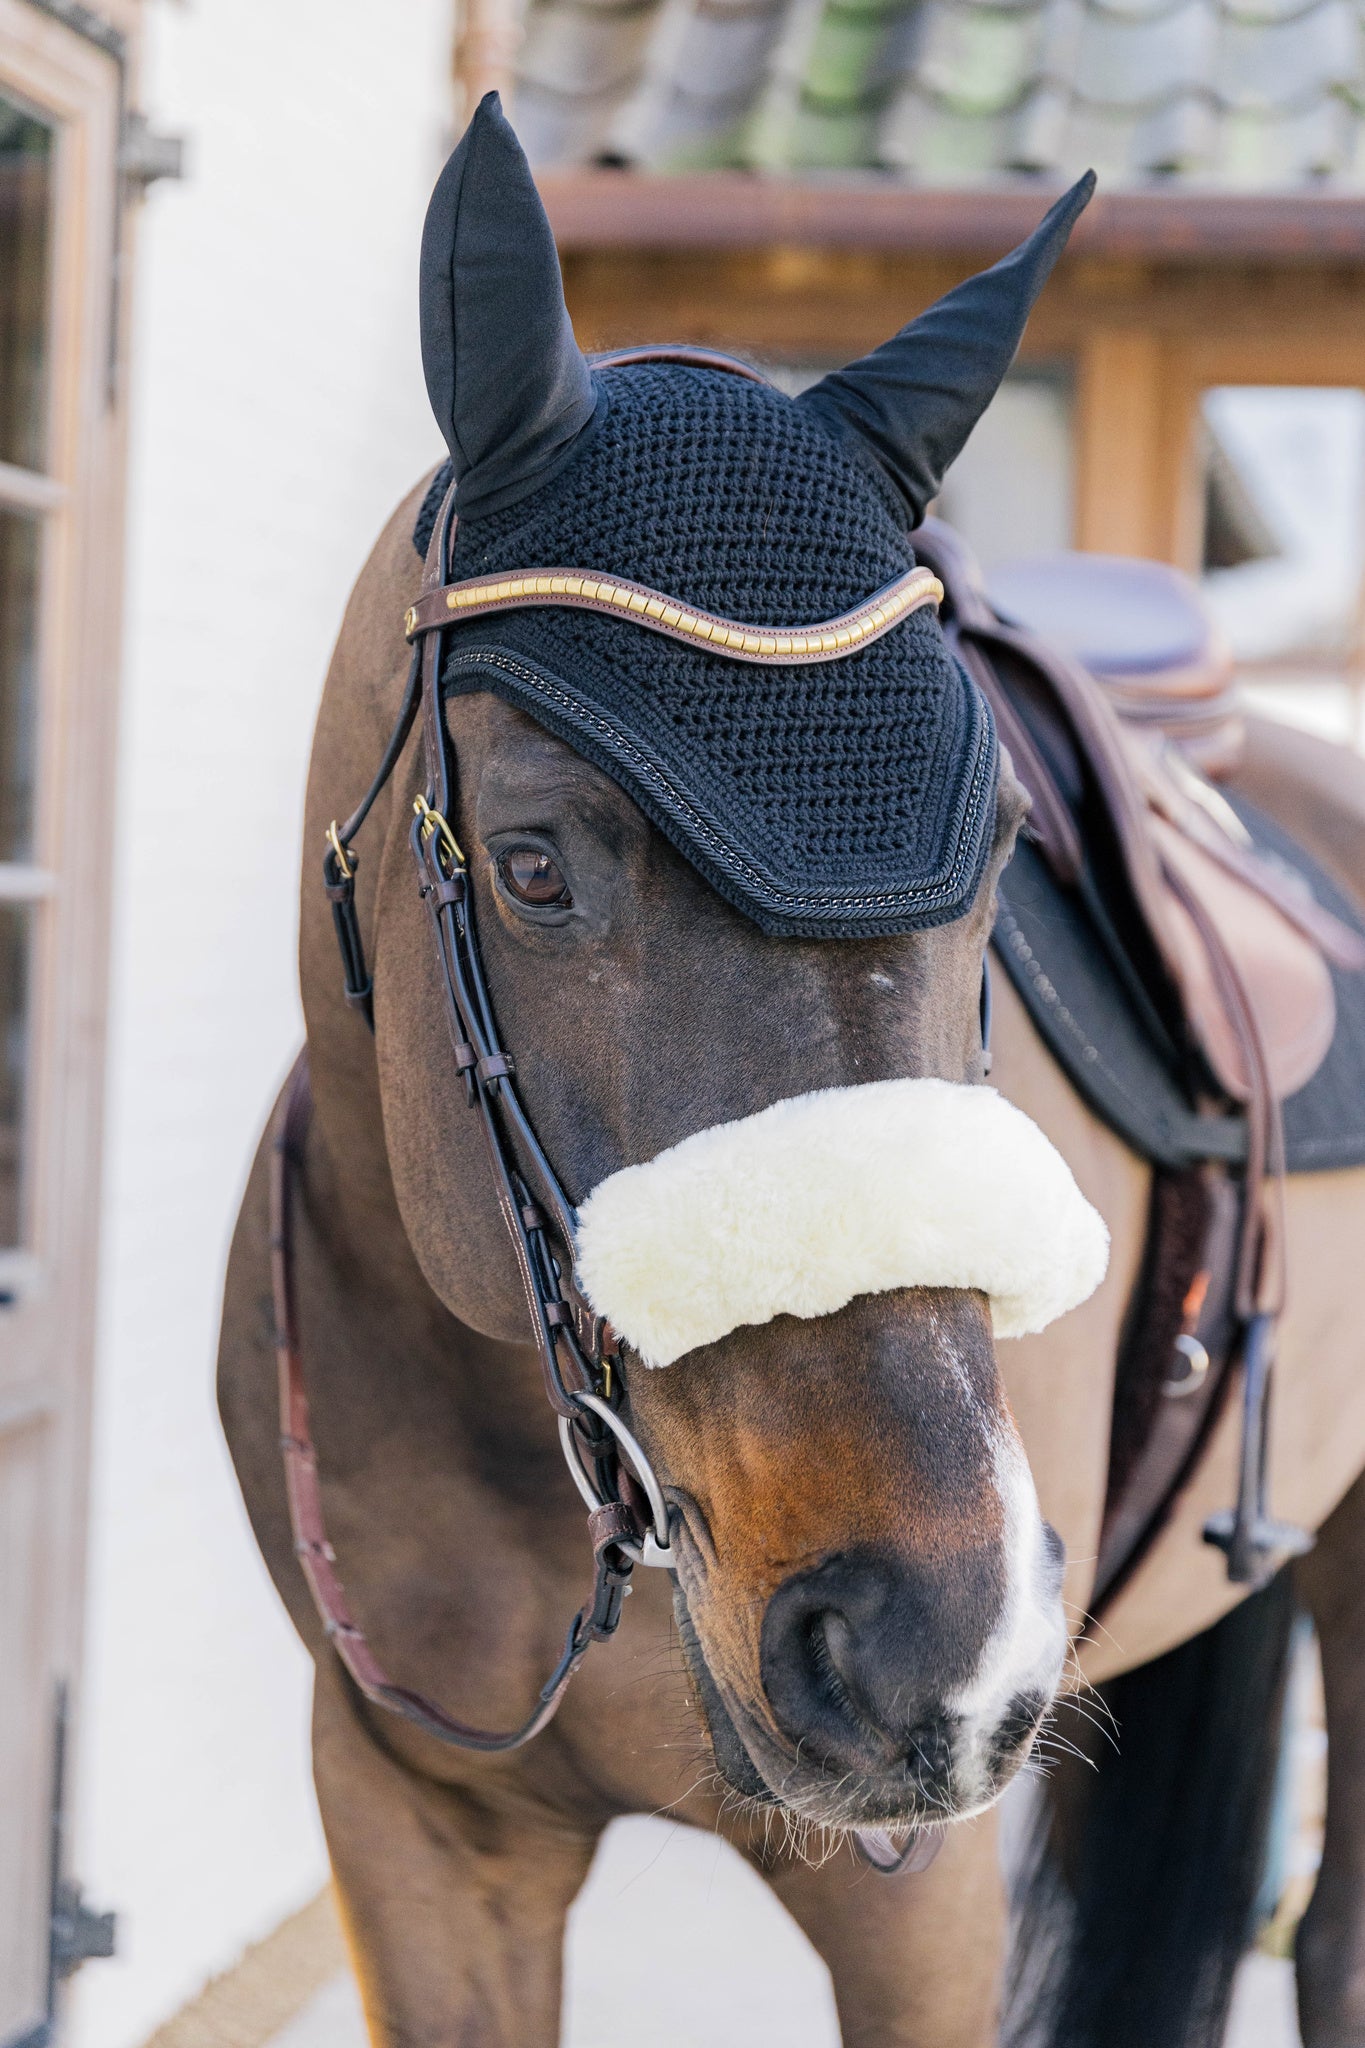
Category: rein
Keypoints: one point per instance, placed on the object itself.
(628, 1517)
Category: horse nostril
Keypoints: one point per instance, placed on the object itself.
(855, 1657)
(831, 1649)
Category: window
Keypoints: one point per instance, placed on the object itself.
(1284, 543)
(60, 577)
(27, 496)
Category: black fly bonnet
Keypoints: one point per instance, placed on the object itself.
(832, 772)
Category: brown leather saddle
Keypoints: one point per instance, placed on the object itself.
(1113, 693)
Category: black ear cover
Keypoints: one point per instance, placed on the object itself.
(912, 403)
(510, 389)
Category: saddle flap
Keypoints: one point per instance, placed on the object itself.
(1223, 932)
(1285, 977)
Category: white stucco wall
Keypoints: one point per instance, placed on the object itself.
(278, 413)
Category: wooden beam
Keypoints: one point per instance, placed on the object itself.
(1138, 455)
(792, 302)
(596, 209)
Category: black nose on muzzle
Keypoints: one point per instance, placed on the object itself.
(861, 1658)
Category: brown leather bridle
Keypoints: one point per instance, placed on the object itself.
(628, 1517)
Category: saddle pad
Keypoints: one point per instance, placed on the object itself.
(1082, 996)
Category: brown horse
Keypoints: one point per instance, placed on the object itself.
(864, 1622)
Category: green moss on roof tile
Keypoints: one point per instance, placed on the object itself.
(847, 44)
(824, 141)
(715, 150)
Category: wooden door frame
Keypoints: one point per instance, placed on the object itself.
(71, 81)
(1139, 456)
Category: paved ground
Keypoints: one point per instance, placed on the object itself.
(703, 1957)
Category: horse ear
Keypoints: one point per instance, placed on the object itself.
(914, 400)
(510, 390)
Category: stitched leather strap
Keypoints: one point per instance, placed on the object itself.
(317, 1559)
(637, 604)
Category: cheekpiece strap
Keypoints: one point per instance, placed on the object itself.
(771, 646)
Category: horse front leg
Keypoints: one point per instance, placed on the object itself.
(453, 1901)
(917, 1959)
(1330, 1950)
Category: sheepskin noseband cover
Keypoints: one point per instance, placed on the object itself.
(843, 1192)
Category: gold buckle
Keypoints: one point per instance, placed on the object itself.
(433, 822)
(342, 855)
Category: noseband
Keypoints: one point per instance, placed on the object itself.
(628, 1517)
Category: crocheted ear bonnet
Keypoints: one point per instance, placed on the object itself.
(828, 786)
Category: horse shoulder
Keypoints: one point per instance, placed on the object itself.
(1061, 1382)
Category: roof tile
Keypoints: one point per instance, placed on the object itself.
(1259, 94)
(1178, 138)
(1289, 63)
(1138, 65)
(587, 51)
(978, 59)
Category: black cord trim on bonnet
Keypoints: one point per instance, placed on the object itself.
(775, 906)
(430, 508)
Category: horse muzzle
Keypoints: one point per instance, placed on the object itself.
(896, 1691)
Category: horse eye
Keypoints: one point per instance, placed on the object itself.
(532, 877)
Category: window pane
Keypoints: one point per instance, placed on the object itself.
(15, 922)
(1284, 548)
(25, 203)
(20, 554)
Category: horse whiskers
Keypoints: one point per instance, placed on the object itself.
(807, 1838)
(1081, 1700)
(1110, 1733)
(1088, 1620)
(1060, 1744)
(1084, 1688)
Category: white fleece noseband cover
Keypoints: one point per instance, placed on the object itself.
(847, 1191)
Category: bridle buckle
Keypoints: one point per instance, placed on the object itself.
(434, 824)
(341, 854)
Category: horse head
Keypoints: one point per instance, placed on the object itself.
(733, 920)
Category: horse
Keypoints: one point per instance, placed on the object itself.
(881, 1534)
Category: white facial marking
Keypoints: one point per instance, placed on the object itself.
(881, 981)
(1027, 1647)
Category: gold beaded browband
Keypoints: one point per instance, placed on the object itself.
(778, 645)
